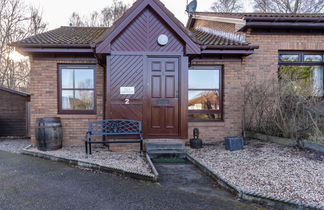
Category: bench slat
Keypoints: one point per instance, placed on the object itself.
(113, 127)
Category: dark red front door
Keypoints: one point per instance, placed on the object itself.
(163, 98)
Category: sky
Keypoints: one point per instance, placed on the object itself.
(56, 13)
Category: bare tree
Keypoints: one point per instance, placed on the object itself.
(75, 20)
(227, 6)
(289, 6)
(16, 23)
(112, 13)
(105, 17)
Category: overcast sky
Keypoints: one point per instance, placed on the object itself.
(57, 12)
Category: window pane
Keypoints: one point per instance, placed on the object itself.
(203, 100)
(203, 79)
(67, 99)
(317, 80)
(84, 78)
(313, 58)
(306, 79)
(207, 116)
(84, 100)
(67, 78)
(289, 58)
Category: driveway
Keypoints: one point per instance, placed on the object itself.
(33, 183)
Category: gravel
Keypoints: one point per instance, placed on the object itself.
(128, 161)
(14, 145)
(268, 168)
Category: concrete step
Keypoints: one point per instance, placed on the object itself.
(165, 148)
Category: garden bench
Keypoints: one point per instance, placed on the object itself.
(113, 127)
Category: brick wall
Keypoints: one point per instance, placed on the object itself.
(263, 65)
(259, 66)
(13, 114)
(222, 26)
(227, 27)
(44, 100)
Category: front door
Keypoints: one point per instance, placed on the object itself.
(163, 98)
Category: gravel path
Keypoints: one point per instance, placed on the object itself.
(269, 168)
(14, 145)
(129, 161)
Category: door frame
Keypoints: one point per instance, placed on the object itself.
(183, 88)
(183, 95)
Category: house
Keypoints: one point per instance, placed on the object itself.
(14, 113)
(148, 66)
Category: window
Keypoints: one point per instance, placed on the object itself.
(289, 57)
(306, 72)
(204, 93)
(77, 89)
(313, 58)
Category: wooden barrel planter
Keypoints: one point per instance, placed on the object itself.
(49, 133)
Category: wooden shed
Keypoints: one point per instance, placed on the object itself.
(14, 113)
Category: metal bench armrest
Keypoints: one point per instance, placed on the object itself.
(87, 136)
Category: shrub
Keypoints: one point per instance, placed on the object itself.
(282, 109)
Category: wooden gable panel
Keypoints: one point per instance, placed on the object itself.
(142, 34)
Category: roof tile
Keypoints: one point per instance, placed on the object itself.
(206, 38)
(65, 36)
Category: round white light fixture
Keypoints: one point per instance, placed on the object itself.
(163, 39)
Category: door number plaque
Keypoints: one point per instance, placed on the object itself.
(127, 90)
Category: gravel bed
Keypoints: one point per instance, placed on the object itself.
(14, 145)
(268, 168)
(129, 161)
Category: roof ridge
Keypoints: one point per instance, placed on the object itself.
(261, 13)
(90, 27)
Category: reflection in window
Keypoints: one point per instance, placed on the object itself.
(289, 58)
(204, 98)
(77, 88)
(306, 79)
(313, 58)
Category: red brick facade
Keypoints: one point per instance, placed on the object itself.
(262, 65)
(232, 105)
(44, 100)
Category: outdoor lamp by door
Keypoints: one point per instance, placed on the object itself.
(196, 142)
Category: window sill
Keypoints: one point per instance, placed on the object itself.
(211, 121)
(67, 112)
